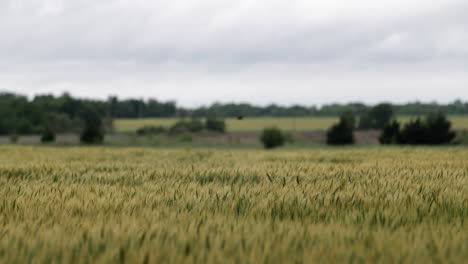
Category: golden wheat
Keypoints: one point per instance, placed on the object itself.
(129, 205)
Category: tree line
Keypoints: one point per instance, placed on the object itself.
(433, 129)
(48, 114)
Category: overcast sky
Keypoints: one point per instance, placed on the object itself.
(259, 51)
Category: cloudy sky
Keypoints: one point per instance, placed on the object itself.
(259, 51)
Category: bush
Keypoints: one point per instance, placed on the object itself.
(91, 135)
(181, 127)
(434, 130)
(341, 133)
(14, 138)
(365, 122)
(461, 138)
(390, 133)
(215, 124)
(151, 130)
(195, 125)
(186, 138)
(93, 131)
(414, 133)
(349, 118)
(377, 117)
(272, 138)
(439, 129)
(48, 136)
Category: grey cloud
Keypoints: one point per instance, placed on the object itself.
(55, 44)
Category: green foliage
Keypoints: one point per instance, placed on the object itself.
(390, 133)
(215, 124)
(187, 137)
(47, 136)
(14, 138)
(434, 130)
(151, 130)
(341, 133)
(439, 128)
(272, 137)
(93, 130)
(91, 135)
(377, 117)
(61, 114)
(461, 138)
(414, 132)
(193, 126)
(350, 118)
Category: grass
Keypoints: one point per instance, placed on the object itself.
(331, 205)
(234, 125)
(257, 124)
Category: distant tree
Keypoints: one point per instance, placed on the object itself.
(349, 118)
(192, 126)
(215, 124)
(365, 122)
(341, 133)
(435, 129)
(272, 137)
(151, 130)
(178, 128)
(93, 126)
(439, 129)
(195, 125)
(14, 137)
(377, 117)
(48, 135)
(414, 133)
(390, 133)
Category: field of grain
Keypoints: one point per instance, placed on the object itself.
(257, 124)
(234, 125)
(130, 205)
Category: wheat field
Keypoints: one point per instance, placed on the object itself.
(131, 205)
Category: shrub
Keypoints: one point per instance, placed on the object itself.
(365, 122)
(341, 133)
(349, 118)
(434, 130)
(439, 129)
(48, 136)
(414, 133)
(272, 138)
(461, 138)
(181, 127)
(215, 124)
(151, 130)
(14, 138)
(390, 133)
(377, 117)
(93, 131)
(186, 138)
(195, 125)
(91, 135)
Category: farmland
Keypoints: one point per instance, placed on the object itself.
(327, 205)
(257, 124)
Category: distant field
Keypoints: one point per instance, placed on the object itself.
(257, 124)
(130, 205)
(234, 125)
